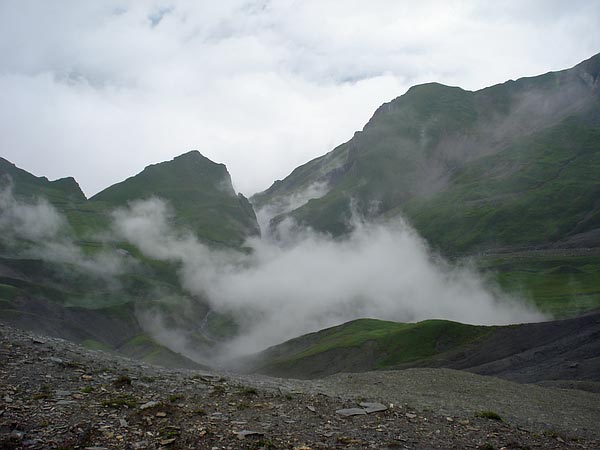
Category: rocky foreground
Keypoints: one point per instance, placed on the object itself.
(55, 394)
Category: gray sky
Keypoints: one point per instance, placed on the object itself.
(99, 89)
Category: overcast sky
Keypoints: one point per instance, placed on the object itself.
(99, 89)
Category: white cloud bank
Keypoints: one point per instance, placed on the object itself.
(281, 289)
(311, 281)
(99, 89)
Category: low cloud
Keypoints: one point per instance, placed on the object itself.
(35, 229)
(284, 289)
(34, 221)
(287, 203)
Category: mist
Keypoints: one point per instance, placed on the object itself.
(35, 229)
(285, 284)
(307, 281)
(287, 203)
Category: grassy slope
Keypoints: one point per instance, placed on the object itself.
(377, 344)
(200, 193)
(511, 165)
(560, 285)
(62, 193)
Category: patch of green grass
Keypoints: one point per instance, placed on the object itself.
(249, 392)
(95, 345)
(8, 292)
(491, 415)
(122, 381)
(120, 401)
(265, 443)
(176, 397)
(487, 446)
(45, 392)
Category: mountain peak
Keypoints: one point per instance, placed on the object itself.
(198, 188)
(28, 185)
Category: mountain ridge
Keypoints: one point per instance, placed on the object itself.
(413, 151)
(59, 286)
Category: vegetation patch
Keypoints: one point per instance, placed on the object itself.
(491, 415)
(120, 401)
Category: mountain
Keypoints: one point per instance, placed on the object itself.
(511, 166)
(562, 352)
(199, 190)
(61, 192)
(70, 283)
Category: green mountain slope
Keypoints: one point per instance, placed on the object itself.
(62, 286)
(513, 165)
(61, 192)
(563, 351)
(364, 344)
(199, 190)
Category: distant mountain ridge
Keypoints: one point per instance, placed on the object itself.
(513, 165)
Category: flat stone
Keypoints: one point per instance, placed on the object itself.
(373, 407)
(242, 434)
(351, 412)
(410, 415)
(150, 404)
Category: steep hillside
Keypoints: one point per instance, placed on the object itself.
(62, 192)
(510, 166)
(198, 189)
(62, 273)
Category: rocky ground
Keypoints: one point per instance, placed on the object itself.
(55, 394)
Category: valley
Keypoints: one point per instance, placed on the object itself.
(445, 256)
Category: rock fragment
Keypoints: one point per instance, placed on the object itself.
(244, 433)
(351, 412)
(373, 407)
(150, 404)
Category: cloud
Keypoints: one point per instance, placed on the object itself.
(34, 221)
(36, 229)
(98, 90)
(287, 203)
(310, 281)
